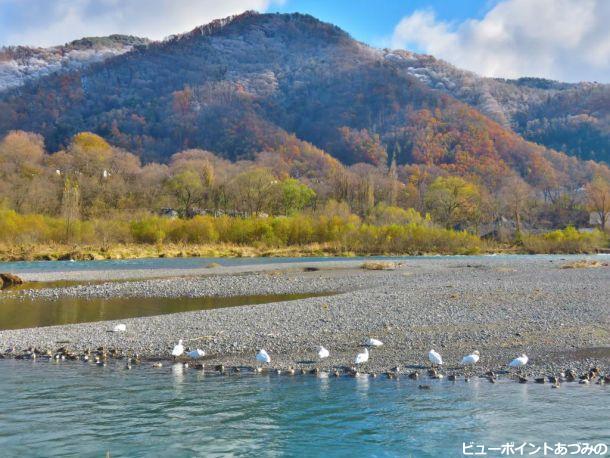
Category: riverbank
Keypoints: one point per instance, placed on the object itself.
(501, 306)
(550, 243)
(63, 252)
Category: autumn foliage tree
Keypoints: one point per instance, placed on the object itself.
(24, 180)
(360, 146)
(598, 199)
(453, 201)
(294, 196)
(192, 174)
(91, 179)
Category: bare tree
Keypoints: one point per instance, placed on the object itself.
(598, 198)
(514, 197)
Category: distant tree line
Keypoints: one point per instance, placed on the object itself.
(92, 179)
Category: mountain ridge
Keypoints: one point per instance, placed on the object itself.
(20, 64)
(533, 107)
(248, 82)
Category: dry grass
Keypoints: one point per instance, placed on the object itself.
(505, 269)
(378, 265)
(584, 264)
(78, 252)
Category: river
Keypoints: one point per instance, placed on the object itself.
(78, 409)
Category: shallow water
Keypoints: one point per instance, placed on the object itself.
(25, 312)
(193, 263)
(71, 408)
(150, 263)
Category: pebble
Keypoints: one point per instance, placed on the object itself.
(560, 313)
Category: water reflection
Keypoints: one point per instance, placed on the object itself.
(23, 312)
(178, 374)
(362, 384)
(76, 409)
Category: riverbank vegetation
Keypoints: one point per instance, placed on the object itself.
(330, 232)
(94, 200)
(568, 240)
(333, 231)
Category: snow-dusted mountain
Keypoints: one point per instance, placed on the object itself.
(574, 118)
(19, 64)
(268, 61)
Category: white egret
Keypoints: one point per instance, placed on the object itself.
(197, 353)
(520, 361)
(263, 356)
(323, 353)
(435, 358)
(374, 342)
(120, 328)
(178, 349)
(362, 357)
(470, 359)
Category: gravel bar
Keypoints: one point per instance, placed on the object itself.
(501, 306)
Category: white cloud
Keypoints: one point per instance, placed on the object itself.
(566, 40)
(51, 22)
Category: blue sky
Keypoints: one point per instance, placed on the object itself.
(373, 21)
(567, 40)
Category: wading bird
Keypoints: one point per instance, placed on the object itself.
(178, 349)
(323, 353)
(435, 358)
(470, 359)
(520, 361)
(263, 357)
(197, 353)
(362, 357)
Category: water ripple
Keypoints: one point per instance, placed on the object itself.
(78, 410)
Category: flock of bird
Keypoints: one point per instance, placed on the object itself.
(435, 358)
(262, 356)
(101, 356)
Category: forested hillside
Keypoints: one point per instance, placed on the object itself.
(573, 118)
(576, 121)
(268, 64)
(287, 97)
(241, 86)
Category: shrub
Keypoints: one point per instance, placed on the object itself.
(567, 240)
(200, 229)
(334, 228)
(148, 230)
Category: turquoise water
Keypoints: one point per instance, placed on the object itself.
(189, 263)
(75, 409)
(148, 263)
